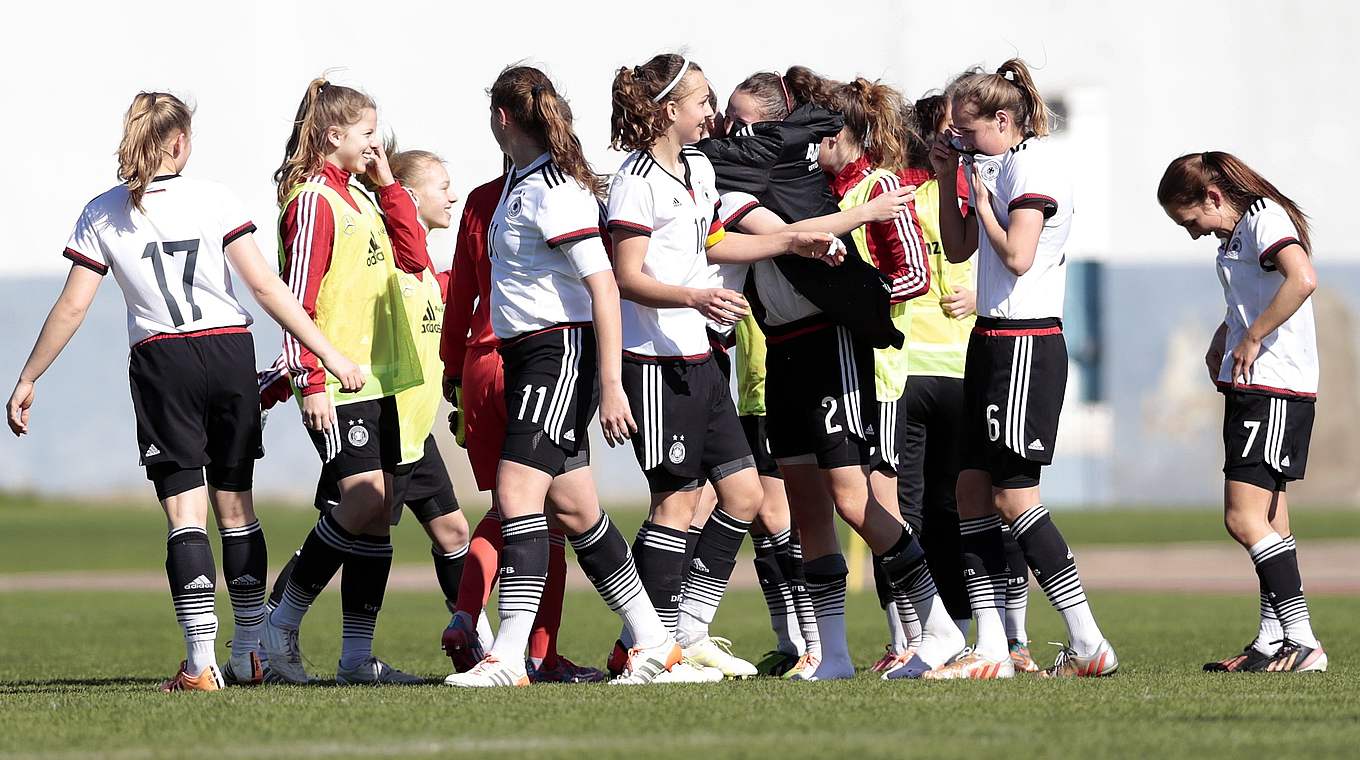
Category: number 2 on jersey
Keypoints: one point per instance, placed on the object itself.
(156, 252)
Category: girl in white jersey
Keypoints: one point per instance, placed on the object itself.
(1264, 360)
(171, 243)
(1016, 367)
(663, 216)
(553, 298)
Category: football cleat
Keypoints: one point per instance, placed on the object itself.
(687, 671)
(618, 660)
(1248, 659)
(565, 671)
(1069, 664)
(776, 663)
(461, 644)
(910, 668)
(374, 672)
(971, 665)
(489, 672)
(1020, 657)
(243, 670)
(1294, 657)
(891, 659)
(714, 652)
(285, 656)
(207, 680)
(804, 669)
(643, 666)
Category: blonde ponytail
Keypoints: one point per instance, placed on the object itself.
(151, 122)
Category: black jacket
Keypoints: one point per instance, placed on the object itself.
(776, 161)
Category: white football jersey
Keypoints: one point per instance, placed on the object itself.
(732, 208)
(544, 239)
(1288, 362)
(1026, 176)
(168, 260)
(680, 216)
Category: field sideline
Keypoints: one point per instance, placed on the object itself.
(78, 670)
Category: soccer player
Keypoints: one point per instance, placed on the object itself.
(552, 298)
(171, 242)
(663, 216)
(474, 382)
(1263, 358)
(341, 257)
(1016, 367)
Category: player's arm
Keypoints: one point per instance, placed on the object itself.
(899, 249)
(630, 250)
(1300, 280)
(1218, 345)
(616, 418)
(62, 321)
(958, 235)
(274, 297)
(1014, 245)
(737, 248)
(399, 217)
(885, 207)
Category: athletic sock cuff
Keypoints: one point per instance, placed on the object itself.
(525, 528)
(1028, 520)
(591, 538)
(240, 532)
(1270, 546)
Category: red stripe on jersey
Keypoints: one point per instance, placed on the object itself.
(80, 259)
(1268, 389)
(307, 236)
(194, 334)
(573, 236)
(1269, 253)
(232, 236)
(634, 227)
(1019, 333)
(1049, 205)
(736, 216)
(555, 328)
(689, 358)
(775, 339)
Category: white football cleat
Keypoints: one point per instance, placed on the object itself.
(688, 672)
(285, 656)
(488, 673)
(714, 652)
(645, 666)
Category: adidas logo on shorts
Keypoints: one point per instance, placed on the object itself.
(1284, 462)
(1037, 445)
(244, 580)
(570, 435)
(201, 582)
(151, 451)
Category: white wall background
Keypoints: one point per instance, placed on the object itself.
(1144, 82)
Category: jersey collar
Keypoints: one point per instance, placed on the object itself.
(850, 175)
(164, 177)
(533, 166)
(684, 161)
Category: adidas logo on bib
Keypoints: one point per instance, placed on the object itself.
(151, 451)
(201, 582)
(1037, 445)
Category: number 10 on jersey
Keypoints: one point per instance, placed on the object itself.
(157, 252)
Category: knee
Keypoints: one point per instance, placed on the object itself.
(449, 532)
(973, 493)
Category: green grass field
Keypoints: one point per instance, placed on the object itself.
(78, 671)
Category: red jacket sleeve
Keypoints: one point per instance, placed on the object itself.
(274, 385)
(961, 186)
(898, 247)
(403, 227)
(462, 295)
(307, 232)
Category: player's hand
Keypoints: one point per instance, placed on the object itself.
(378, 169)
(19, 402)
(1213, 358)
(457, 418)
(347, 372)
(726, 307)
(891, 204)
(982, 197)
(943, 158)
(451, 386)
(615, 416)
(959, 304)
(1243, 356)
(823, 246)
(318, 413)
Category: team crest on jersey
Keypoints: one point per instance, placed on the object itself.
(358, 434)
(677, 451)
(512, 208)
(989, 170)
(1234, 249)
(348, 224)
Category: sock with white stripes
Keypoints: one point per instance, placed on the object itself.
(363, 584)
(918, 602)
(1017, 587)
(318, 561)
(604, 557)
(1277, 566)
(245, 564)
(523, 576)
(280, 583)
(1270, 634)
(659, 553)
(778, 595)
(448, 570)
(898, 639)
(193, 583)
(692, 542)
(802, 600)
(715, 555)
(826, 587)
(984, 576)
(1055, 569)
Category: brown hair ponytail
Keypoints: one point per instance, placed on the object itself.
(637, 121)
(527, 95)
(1010, 89)
(926, 114)
(874, 117)
(1186, 183)
(148, 126)
(771, 94)
(324, 105)
(807, 86)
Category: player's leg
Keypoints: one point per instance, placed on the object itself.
(245, 565)
(771, 535)
(192, 574)
(911, 441)
(823, 570)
